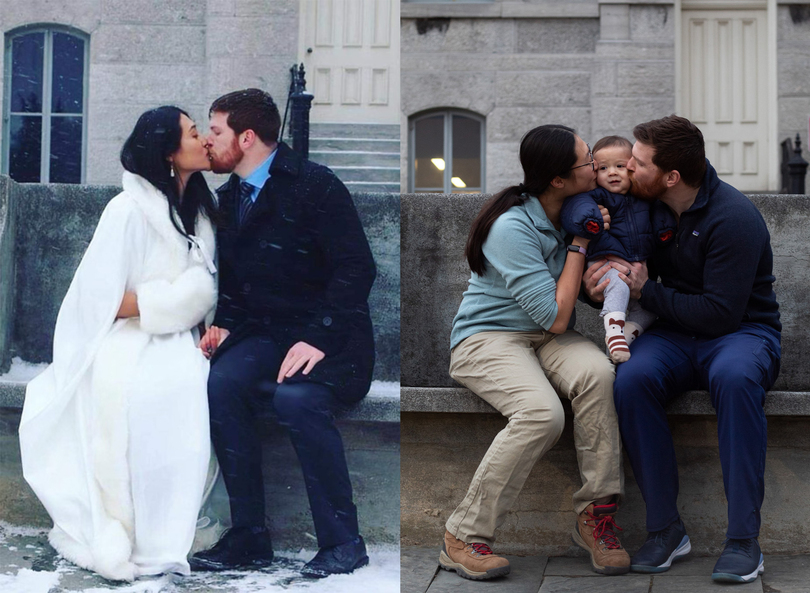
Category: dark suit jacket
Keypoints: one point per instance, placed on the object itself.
(299, 269)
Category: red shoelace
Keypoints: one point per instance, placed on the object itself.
(481, 549)
(604, 529)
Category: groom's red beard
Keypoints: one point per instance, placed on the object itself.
(648, 192)
(226, 163)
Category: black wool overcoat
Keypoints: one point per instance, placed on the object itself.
(299, 269)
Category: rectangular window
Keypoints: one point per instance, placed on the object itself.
(45, 103)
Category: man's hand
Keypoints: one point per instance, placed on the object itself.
(212, 339)
(300, 354)
(635, 275)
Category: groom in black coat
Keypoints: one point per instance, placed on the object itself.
(292, 330)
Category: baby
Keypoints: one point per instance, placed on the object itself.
(630, 237)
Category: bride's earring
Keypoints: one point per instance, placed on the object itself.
(171, 170)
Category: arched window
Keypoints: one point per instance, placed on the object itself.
(45, 105)
(446, 152)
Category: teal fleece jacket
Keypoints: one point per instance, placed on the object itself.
(524, 256)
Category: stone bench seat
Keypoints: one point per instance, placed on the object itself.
(45, 229)
(446, 429)
(461, 400)
(377, 406)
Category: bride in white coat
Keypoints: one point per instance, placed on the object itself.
(114, 434)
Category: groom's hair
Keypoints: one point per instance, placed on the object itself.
(250, 109)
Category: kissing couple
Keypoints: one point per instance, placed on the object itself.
(187, 316)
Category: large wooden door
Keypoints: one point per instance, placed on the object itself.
(724, 91)
(350, 49)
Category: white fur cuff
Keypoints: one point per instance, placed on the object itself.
(171, 307)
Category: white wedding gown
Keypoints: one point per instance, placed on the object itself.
(114, 433)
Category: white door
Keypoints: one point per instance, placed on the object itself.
(350, 49)
(724, 86)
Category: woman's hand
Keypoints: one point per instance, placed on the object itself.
(129, 306)
(212, 340)
(592, 280)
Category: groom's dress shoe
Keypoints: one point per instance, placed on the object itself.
(240, 547)
(340, 559)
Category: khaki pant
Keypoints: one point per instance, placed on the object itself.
(521, 374)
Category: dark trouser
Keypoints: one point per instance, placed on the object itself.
(736, 369)
(242, 382)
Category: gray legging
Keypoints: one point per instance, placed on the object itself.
(617, 298)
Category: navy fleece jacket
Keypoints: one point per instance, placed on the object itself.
(718, 272)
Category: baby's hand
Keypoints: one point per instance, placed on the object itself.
(605, 216)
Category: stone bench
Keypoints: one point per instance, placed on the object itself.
(446, 428)
(45, 229)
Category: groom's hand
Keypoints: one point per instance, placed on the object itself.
(299, 355)
(212, 339)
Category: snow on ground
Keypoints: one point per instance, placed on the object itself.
(9, 530)
(385, 389)
(53, 572)
(29, 581)
(22, 371)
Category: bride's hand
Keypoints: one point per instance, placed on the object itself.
(212, 339)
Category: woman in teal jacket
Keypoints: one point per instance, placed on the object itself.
(512, 344)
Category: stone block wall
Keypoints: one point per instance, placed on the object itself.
(54, 225)
(517, 72)
(597, 67)
(185, 52)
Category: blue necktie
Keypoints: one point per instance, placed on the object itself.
(245, 200)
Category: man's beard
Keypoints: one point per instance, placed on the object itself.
(649, 192)
(227, 162)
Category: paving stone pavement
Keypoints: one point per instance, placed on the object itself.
(537, 574)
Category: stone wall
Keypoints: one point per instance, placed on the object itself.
(55, 224)
(435, 274)
(186, 53)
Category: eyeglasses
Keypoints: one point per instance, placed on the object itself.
(590, 156)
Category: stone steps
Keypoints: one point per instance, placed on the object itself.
(353, 144)
(364, 156)
(367, 173)
(350, 130)
(359, 158)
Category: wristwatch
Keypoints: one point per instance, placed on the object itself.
(577, 249)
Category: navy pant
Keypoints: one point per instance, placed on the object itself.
(241, 384)
(736, 369)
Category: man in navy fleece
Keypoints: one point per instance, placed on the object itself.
(718, 329)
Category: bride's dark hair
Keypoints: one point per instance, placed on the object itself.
(157, 136)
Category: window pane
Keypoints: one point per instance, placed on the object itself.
(466, 153)
(66, 150)
(68, 73)
(26, 73)
(25, 148)
(429, 162)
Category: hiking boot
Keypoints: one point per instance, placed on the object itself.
(239, 547)
(471, 561)
(741, 562)
(594, 532)
(661, 548)
(340, 559)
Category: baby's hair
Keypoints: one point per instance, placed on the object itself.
(609, 141)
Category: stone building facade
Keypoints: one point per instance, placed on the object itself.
(603, 66)
(145, 53)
